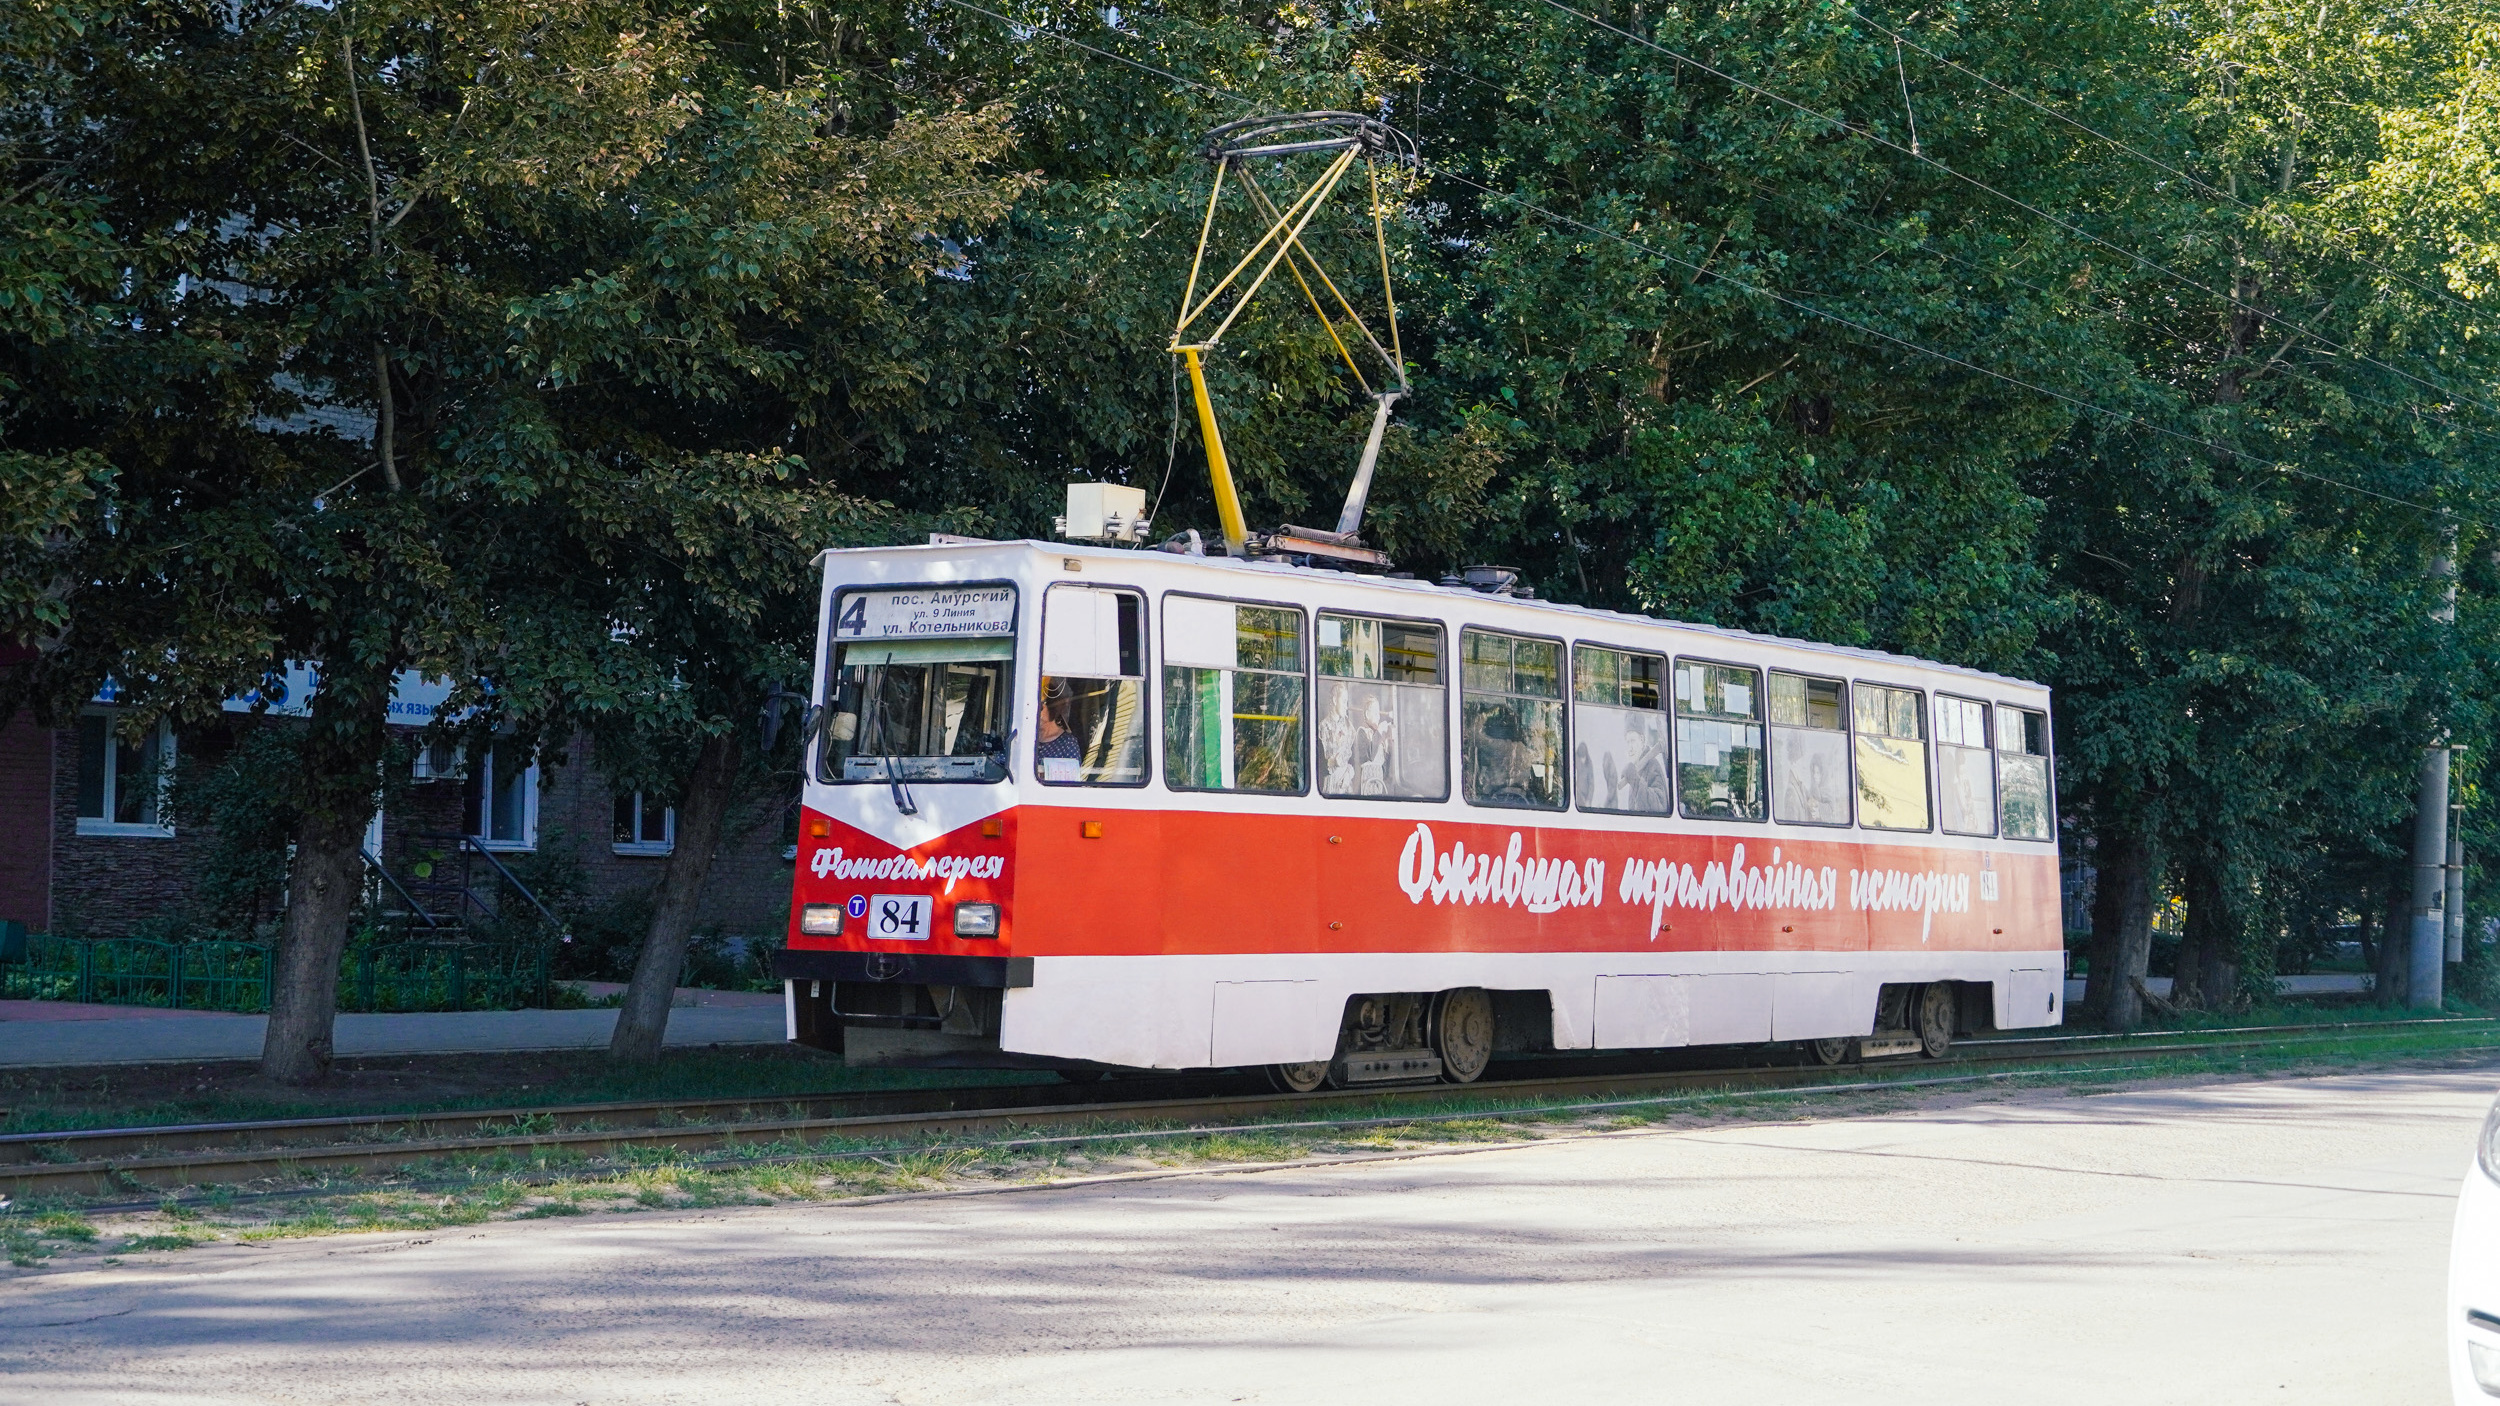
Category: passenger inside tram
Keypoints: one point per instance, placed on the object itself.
(1091, 730)
(1052, 740)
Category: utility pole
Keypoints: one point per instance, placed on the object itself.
(2455, 908)
(2430, 882)
(2430, 828)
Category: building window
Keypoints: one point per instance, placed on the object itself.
(121, 783)
(643, 827)
(503, 798)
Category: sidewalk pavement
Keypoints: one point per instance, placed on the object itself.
(686, 995)
(138, 1035)
(2325, 984)
(75, 1010)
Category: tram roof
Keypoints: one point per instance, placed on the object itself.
(1432, 590)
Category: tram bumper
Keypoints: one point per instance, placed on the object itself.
(909, 1009)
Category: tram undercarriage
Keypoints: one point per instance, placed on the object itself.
(1400, 1037)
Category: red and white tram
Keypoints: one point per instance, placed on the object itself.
(1080, 806)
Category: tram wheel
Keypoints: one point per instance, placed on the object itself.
(1840, 1049)
(1297, 1078)
(1935, 1019)
(1462, 1033)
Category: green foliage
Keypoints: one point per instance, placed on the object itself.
(239, 874)
(2151, 364)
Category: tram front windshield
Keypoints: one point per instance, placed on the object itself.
(918, 710)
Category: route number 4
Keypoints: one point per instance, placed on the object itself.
(897, 917)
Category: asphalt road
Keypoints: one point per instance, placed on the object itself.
(2271, 1242)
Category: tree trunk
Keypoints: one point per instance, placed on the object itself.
(2395, 946)
(323, 885)
(2122, 927)
(2207, 972)
(336, 769)
(643, 1021)
(2366, 933)
(2187, 967)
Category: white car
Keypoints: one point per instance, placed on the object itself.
(2474, 1276)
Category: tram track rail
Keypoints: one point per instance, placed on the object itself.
(88, 1163)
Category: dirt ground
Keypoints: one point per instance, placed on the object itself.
(34, 1100)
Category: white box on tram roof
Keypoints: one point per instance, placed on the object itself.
(1104, 512)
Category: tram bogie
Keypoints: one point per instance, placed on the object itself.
(1087, 808)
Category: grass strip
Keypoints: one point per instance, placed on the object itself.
(467, 1191)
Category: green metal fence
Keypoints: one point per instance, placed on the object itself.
(444, 976)
(236, 976)
(41, 967)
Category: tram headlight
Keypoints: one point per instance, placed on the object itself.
(2487, 1146)
(976, 920)
(821, 919)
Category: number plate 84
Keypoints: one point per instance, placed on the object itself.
(899, 917)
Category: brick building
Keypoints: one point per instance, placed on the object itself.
(85, 848)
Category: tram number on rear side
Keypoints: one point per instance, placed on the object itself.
(899, 917)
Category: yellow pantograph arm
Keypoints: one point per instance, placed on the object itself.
(1294, 266)
(1303, 208)
(1205, 227)
(1219, 471)
(1260, 196)
(1380, 241)
(1319, 194)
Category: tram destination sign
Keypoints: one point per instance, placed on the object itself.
(929, 613)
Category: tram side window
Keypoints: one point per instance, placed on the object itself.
(1892, 759)
(1718, 741)
(1383, 709)
(1232, 696)
(2023, 774)
(1809, 750)
(1091, 727)
(1619, 756)
(1510, 714)
(1965, 776)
